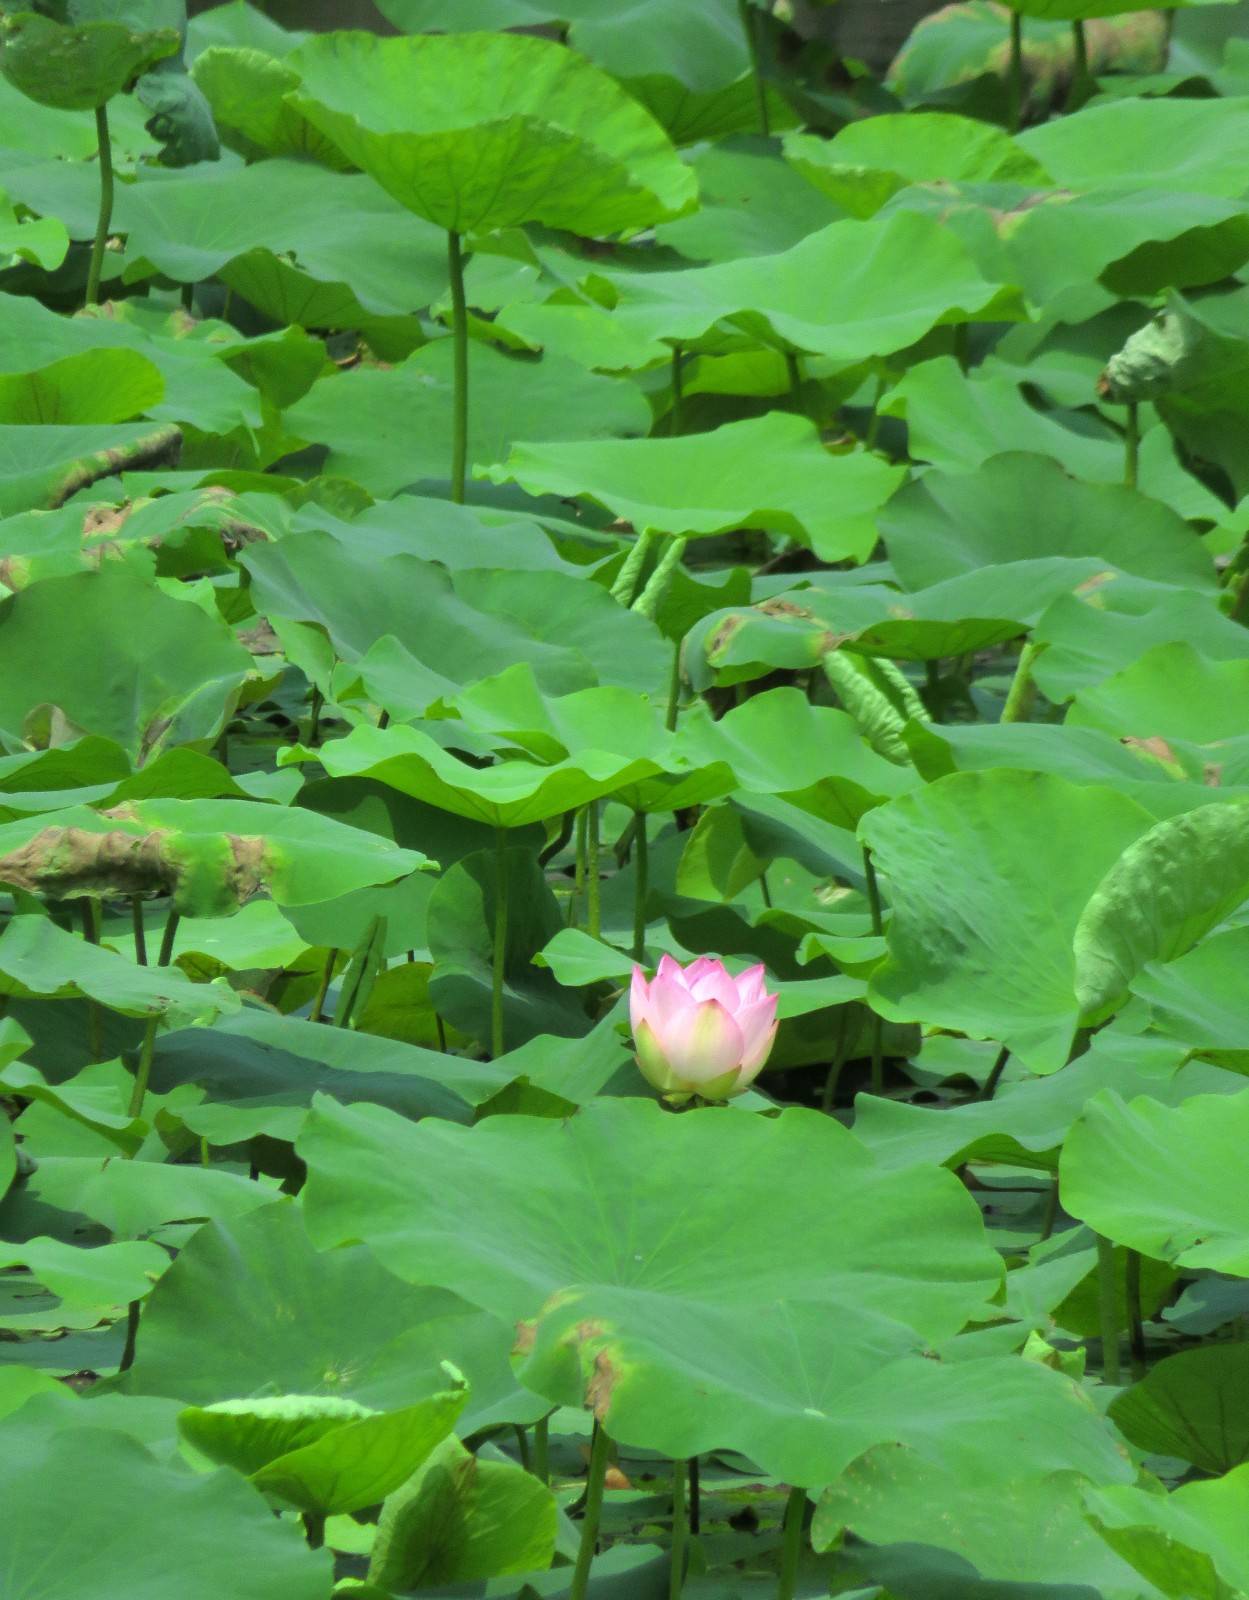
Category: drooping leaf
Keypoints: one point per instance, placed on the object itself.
(75, 68)
(482, 131)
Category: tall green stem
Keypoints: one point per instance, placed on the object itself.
(165, 955)
(105, 216)
(747, 13)
(678, 390)
(1078, 91)
(578, 881)
(459, 335)
(696, 1495)
(542, 1449)
(873, 426)
(1136, 1320)
(1022, 691)
(1132, 446)
(139, 1092)
(878, 928)
(791, 1544)
(1108, 1309)
(1016, 71)
(793, 371)
(680, 1528)
(641, 875)
(995, 1075)
(140, 932)
(593, 883)
(595, 1481)
(500, 942)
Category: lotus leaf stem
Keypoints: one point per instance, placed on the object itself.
(1015, 86)
(459, 335)
(165, 955)
(1136, 1320)
(105, 216)
(1022, 692)
(878, 928)
(989, 1087)
(678, 390)
(595, 1482)
(140, 932)
(593, 882)
(674, 689)
(144, 1072)
(641, 875)
(680, 1530)
(1132, 446)
(500, 941)
(791, 1543)
(542, 1449)
(1108, 1309)
(747, 13)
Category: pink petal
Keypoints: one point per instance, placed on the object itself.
(651, 1059)
(639, 998)
(702, 1043)
(699, 968)
(750, 985)
(716, 985)
(758, 1029)
(669, 999)
(671, 970)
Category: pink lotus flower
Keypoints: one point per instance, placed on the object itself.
(699, 1030)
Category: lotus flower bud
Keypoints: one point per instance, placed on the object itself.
(699, 1030)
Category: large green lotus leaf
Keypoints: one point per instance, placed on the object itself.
(778, 743)
(43, 466)
(1170, 886)
(257, 1062)
(505, 795)
(222, 1326)
(31, 132)
(751, 203)
(1189, 1544)
(1047, 240)
(334, 248)
(135, 1197)
(1197, 998)
(677, 1321)
(76, 68)
(1160, 144)
(870, 160)
(946, 523)
(211, 856)
(1029, 1524)
(1094, 634)
(769, 472)
(1026, 1121)
(416, 634)
(483, 131)
(95, 386)
(896, 281)
(1171, 692)
(461, 923)
(42, 241)
(462, 1518)
(1164, 778)
(969, 859)
(107, 1275)
(958, 423)
(226, 1540)
(137, 666)
(511, 710)
(238, 23)
(390, 427)
(97, 1099)
(1194, 1405)
(38, 958)
(1155, 1178)
(323, 1455)
(457, 537)
(247, 91)
(701, 44)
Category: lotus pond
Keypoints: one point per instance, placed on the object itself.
(624, 803)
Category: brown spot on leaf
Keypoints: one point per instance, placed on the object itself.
(602, 1385)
